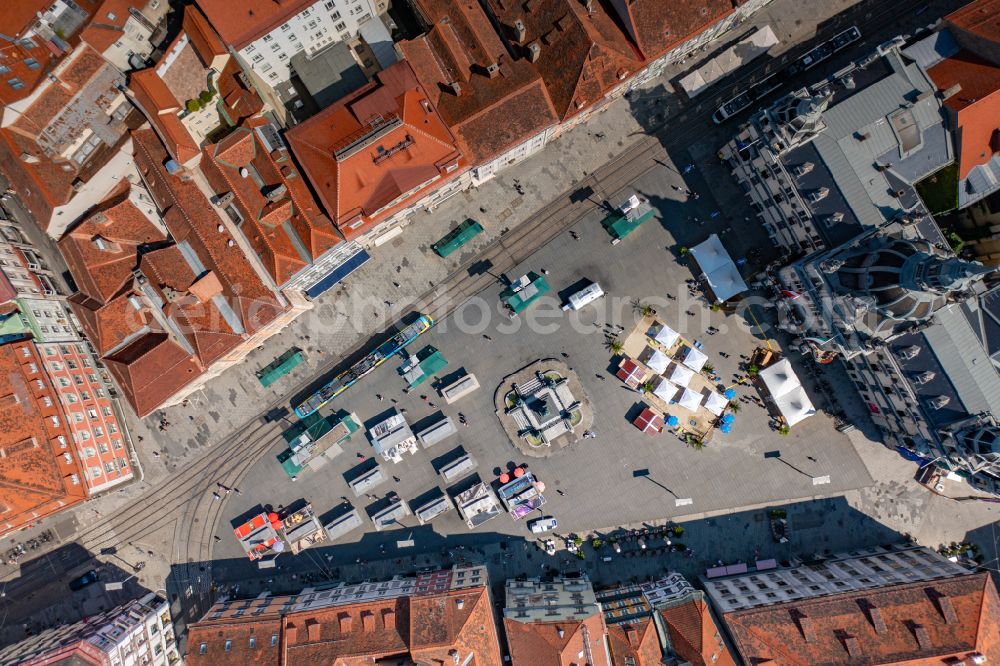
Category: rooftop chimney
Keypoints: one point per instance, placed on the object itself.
(388, 617)
(534, 50)
(455, 88)
(492, 70)
(313, 629)
(877, 620)
(923, 638)
(368, 621)
(853, 646)
(519, 31)
(291, 634)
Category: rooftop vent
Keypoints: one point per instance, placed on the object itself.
(925, 377)
(455, 88)
(940, 401)
(561, 632)
(243, 172)
(492, 70)
(534, 50)
(460, 603)
(519, 31)
(908, 353)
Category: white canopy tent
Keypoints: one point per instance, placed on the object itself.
(690, 399)
(716, 403)
(667, 336)
(695, 359)
(786, 390)
(658, 361)
(665, 390)
(718, 269)
(682, 375)
(795, 405)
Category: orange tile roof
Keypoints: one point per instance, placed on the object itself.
(656, 26)
(41, 184)
(421, 629)
(693, 634)
(635, 644)
(581, 56)
(930, 622)
(407, 152)
(84, 65)
(107, 25)
(979, 17)
(977, 105)
(238, 100)
(102, 274)
(491, 113)
(241, 23)
(36, 469)
(540, 643)
(264, 220)
(206, 42)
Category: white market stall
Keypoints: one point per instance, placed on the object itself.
(718, 269)
(785, 388)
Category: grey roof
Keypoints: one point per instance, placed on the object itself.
(377, 36)
(330, 74)
(833, 233)
(932, 49)
(963, 370)
(871, 128)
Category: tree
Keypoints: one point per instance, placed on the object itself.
(696, 443)
(734, 407)
(714, 307)
(643, 309)
(646, 388)
(683, 251)
(678, 530)
(783, 430)
(596, 543)
(752, 371)
(614, 345)
(205, 96)
(193, 105)
(709, 368)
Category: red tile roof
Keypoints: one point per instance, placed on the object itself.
(490, 113)
(656, 26)
(206, 42)
(191, 218)
(923, 623)
(7, 292)
(376, 151)
(635, 644)
(581, 56)
(540, 643)
(264, 220)
(977, 105)
(239, 101)
(102, 274)
(41, 183)
(428, 629)
(693, 634)
(37, 470)
(107, 25)
(980, 18)
(243, 22)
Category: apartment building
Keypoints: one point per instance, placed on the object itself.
(92, 415)
(124, 31)
(438, 617)
(42, 474)
(379, 154)
(24, 272)
(138, 632)
(554, 621)
(265, 34)
(900, 605)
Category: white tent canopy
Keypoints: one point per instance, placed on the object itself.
(682, 375)
(716, 403)
(658, 361)
(795, 405)
(729, 61)
(786, 389)
(665, 390)
(667, 336)
(695, 359)
(690, 399)
(719, 269)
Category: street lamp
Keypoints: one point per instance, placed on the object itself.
(816, 480)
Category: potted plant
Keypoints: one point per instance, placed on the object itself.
(646, 388)
(677, 530)
(783, 429)
(596, 543)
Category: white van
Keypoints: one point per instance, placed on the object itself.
(587, 295)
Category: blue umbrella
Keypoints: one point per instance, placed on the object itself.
(725, 428)
(730, 394)
(671, 420)
(728, 418)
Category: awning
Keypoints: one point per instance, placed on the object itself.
(344, 269)
(665, 391)
(786, 390)
(695, 359)
(682, 375)
(716, 403)
(719, 269)
(630, 372)
(690, 399)
(795, 405)
(658, 361)
(667, 336)
(649, 421)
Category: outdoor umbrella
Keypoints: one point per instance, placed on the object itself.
(730, 393)
(728, 418)
(726, 428)
(671, 420)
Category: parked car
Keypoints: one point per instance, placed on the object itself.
(83, 581)
(543, 524)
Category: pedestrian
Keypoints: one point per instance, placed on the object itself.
(360, 455)
(486, 337)
(216, 496)
(396, 285)
(431, 405)
(395, 479)
(378, 396)
(545, 271)
(237, 491)
(424, 398)
(561, 493)
(217, 537)
(564, 354)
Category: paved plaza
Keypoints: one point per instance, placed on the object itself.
(596, 476)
